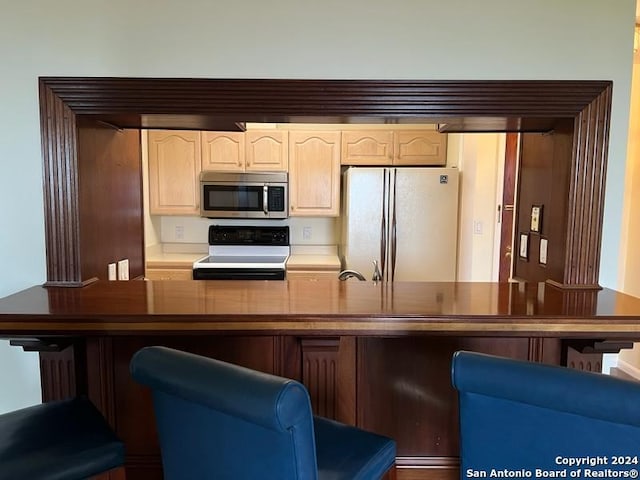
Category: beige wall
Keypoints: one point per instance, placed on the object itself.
(481, 157)
(629, 360)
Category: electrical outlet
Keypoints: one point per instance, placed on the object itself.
(477, 227)
(306, 233)
(179, 232)
(123, 269)
(112, 271)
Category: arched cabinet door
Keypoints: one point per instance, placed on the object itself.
(314, 174)
(174, 167)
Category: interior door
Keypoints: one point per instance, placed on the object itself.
(507, 206)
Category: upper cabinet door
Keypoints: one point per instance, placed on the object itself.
(367, 147)
(420, 147)
(223, 151)
(266, 150)
(314, 173)
(174, 167)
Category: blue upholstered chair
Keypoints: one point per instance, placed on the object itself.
(528, 417)
(221, 421)
(63, 440)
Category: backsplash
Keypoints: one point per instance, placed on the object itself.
(303, 231)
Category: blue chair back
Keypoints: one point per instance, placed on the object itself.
(530, 418)
(223, 421)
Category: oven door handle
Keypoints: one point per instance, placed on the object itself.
(265, 200)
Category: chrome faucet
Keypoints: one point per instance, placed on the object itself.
(377, 275)
(346, 274)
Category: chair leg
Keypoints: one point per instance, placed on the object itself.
(113, 474)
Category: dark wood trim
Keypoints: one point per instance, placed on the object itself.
(586, 192)
(60, 171)
(233, 101)
(100, 371)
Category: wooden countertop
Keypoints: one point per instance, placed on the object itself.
(320, 308)
(173, 260)
(317, 262)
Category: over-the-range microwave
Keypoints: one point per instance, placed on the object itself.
(244, 195)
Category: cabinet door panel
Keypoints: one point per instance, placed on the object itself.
(420, 147)
(267, 150)
(369, 147)
(174, 166)
(223, 151)
(314, 174)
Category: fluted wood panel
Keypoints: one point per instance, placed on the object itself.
(57, 375)
(319, 371)
(293, 98)
(60, 183)
(586, 192)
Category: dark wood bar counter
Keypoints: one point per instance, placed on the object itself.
(320, 308)
(373, 355)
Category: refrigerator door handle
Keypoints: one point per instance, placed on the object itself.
(393, 230)
(383, 225)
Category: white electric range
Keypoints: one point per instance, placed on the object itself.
(244, 253)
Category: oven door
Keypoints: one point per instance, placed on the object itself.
(243, 200)
(238, 274)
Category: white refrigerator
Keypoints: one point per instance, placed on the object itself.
(406, 218)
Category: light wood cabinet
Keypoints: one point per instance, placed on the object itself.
(223, 151)
(169, 274)
(312, 275)
(314, 173)
(389, 147)
(419, 147)
(266, 150)
(174, 167)
(367, 147)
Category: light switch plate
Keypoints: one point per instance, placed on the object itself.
(524, 246)
(123, 269)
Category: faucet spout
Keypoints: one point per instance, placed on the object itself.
(346, 274)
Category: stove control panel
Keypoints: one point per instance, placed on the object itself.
(232, 235)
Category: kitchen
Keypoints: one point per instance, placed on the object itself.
(175, 235)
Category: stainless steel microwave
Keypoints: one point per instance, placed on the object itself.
(244, 195)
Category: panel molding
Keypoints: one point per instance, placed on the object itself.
(586, 193)
(60, 177)
(588, 103)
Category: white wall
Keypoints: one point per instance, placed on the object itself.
(411, 39)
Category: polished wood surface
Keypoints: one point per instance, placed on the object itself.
(543, 181)
(110, 194)
(374, 355)
(332, 307)
(203, 103)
